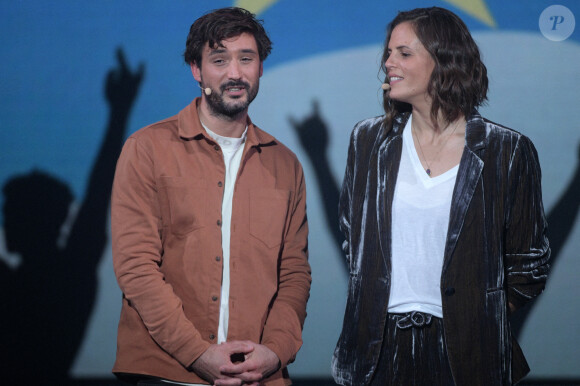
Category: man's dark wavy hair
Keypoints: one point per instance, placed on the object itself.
(459, 82)
(220, 24)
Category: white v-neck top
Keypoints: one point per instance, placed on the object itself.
(420, 220)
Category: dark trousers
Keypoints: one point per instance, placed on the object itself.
(152, 382)
(413, 352)
(155, 382)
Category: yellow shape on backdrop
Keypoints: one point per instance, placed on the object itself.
(255, 6)
(475, 8)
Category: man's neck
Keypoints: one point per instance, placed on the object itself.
(232, 127)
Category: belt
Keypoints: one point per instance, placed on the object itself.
(412, 319)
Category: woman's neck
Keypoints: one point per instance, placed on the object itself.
(424, 124)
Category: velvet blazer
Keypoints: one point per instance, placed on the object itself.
(496, 250)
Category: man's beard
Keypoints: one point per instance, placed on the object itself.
(219, 107)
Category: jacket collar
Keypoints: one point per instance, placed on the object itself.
(189, 127)
(475, 132)
(400, 121)
(468, 176)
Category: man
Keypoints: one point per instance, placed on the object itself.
(209, 228)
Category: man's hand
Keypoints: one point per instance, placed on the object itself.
(258, 363)
(208, 365)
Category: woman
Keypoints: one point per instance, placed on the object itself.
(443, 217)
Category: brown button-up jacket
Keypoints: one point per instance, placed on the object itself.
(166, 217)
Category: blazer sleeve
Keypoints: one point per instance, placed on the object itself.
(345, 200)
(527, 249)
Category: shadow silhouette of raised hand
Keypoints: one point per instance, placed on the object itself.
(314, 138)
(52, 293)
(312, 132)
(122, 85)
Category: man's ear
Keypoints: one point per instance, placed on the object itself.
(196, 71)
(261, 68)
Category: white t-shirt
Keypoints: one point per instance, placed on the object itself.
(232, 149)
(420, 220)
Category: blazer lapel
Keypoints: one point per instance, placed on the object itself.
(468, 175)
(389, 158)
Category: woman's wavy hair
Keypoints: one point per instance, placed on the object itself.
(224, 23)
(458, 82)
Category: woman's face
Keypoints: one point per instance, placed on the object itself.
(409, 67)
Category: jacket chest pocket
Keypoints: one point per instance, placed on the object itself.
(268, 210)
(182, 205)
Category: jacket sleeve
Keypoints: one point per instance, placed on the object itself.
(137, 255)
(527, 249)
(344, 205)
(283, 328)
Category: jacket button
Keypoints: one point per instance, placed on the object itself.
(214, 298)
(220, 184)
(211, 336)
(449, 291)
(219, 223)
(216, 147)
(217, 258)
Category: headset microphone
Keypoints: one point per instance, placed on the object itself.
(386, 86)
(206, 90)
